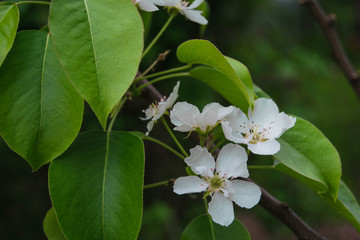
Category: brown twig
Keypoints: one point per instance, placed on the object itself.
(327, 23)
(279, 209)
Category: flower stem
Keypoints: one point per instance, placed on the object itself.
(182, 74)
(161, 57)
(210, 220)
(158, 184)
(163, 72)
(261, 167)
(33, 2)
(174, 138)
(165, 146)
(115, 112)
(172, 16)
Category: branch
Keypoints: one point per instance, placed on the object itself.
(279, 209)
(327, 23)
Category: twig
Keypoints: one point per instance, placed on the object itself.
(327, 23)
(279, 209)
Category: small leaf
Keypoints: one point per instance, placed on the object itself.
(9, 21)
(100, 45)
(199, 229)
(96, 186)
(204, 52)
(41, 112)
(309, 156)
(51, 226)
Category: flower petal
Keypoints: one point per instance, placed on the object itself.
(201, 161)
(211, 114)
(269, 147)
(150, 126)
(195, 16)
(189, 184)
(231, 134)
(282, 123)
(166, 3)
(221, 209)
(183, 116)
(195, 4)
(173, 96)
(265, 112)
(148, 5)
(231, 161)
(245, 194)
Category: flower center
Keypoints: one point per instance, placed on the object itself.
(258, 136)
(216, 183)
(181, 4)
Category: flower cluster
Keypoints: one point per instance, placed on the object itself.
(258, 130)
(186, 9)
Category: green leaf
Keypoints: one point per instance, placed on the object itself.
(41, 113)
(259, 93)
(309, 156)
(9, 21)
(96, 186)
(199, 229)
(346, 205)
(100, 45)
(51, 226)
(229, 86)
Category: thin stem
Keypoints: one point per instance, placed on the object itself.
(33, 2)
(161, 57)
(178, 69)
(210, 220)
(116, 111)
(174, 138)
(261, 167)
(182, 74)
(158, 184)
(172, 16)
(165, 146)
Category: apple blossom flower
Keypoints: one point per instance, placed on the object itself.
(187, 117)
(217, 181)
(156, 110)
(260, 129)
(186, 10)
(147, 5)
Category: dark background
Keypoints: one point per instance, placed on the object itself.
(287, 55)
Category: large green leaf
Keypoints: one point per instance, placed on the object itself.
(229, 84)
(100, 45)
(41, 113)
(308, 155)
(51, 226)
(9, 20)
(199, 229)
(346, 205)
(96, 186)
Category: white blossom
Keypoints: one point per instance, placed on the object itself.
(185, 9)
(147, 5)
(187, 117)
(156, 110)
(217, 181)
(260, 129)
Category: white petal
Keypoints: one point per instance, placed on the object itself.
(183, 116)
(201, 161)
(231, 161)
(195, 16)
(231, 134)
(150, 126)
(265, 112)
(189, 184)
(238, 121)
(211, 114)
(148, 5)
(245, 194)
(195, 4)
(166, 3)
(221, 209)
(173, 96)
(269, 147)
(282, 123)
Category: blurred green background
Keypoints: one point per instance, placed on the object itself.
(288, 57)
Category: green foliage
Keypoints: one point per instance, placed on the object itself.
(9, 20)
(96, 186)
(199, 229)
(51, 226)
(99, 44)
(221, 76)
(308, 155)
(40, 111)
